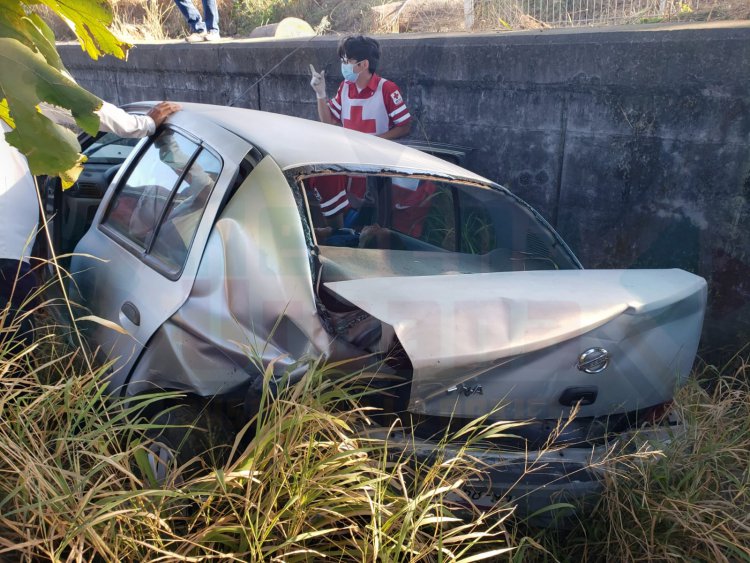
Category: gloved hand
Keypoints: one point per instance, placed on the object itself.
(318, 82)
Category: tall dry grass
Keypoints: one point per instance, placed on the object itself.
(304, 483)
(690, 504)
(76, 483)
(156, 20)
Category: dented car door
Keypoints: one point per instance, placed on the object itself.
(137, 263)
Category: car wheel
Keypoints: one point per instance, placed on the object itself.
(189, 437)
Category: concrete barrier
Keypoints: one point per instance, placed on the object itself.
(634, 142)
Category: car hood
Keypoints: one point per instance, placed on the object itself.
(469, 320)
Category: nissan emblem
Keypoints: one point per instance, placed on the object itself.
(593, 360)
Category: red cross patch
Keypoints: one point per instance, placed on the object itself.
(358, 122)
(396, 97)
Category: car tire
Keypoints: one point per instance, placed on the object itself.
(190, 437)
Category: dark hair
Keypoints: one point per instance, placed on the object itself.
(359, 47)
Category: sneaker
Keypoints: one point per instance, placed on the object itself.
(212, 35)
(196, 37)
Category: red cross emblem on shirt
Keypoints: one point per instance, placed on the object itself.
(357, 121)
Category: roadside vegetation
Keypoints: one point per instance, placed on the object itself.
(692, 502)
(77, 482)
(136, 20)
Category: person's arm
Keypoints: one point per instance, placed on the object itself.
(399, 117)
(123, 124)
(397, 132)
(324, 112)
(115, 120)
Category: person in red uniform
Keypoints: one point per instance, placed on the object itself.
(411, 204)
(365, 102)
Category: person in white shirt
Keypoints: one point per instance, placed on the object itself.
(19, 207)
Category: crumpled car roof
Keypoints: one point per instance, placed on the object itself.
(294, 142)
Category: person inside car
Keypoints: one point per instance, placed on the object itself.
(409, 201)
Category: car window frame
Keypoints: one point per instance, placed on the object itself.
(300, 175)
(297, 174)
(143, 254)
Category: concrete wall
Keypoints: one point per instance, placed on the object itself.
(633, 142)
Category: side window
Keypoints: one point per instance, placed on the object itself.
(142, 197)
(507, 233)
(160, 204)
(185, 210)
(428, 210)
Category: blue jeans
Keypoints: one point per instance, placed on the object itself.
(193, 16)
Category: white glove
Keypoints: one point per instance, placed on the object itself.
(318, 82)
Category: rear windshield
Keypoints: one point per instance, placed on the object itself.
(380, 225)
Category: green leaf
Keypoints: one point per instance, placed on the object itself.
(29, 74)
(26, 80)
(43, 39)
(89, 20)
(11, 26)
(142, 461)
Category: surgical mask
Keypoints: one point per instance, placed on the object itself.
(347, 71)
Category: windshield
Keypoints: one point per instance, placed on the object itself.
(379, 225)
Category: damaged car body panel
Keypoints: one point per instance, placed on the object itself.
(134, 274)
(243, 313)
(479, 331)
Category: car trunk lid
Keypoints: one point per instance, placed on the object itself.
(515, 337)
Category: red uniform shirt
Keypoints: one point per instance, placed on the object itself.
(411, 200)
(375, 109)
(330, 193)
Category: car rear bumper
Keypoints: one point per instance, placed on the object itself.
(549, 486)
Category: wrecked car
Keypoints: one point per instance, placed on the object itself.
(216, 246)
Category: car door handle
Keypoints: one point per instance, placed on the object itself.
(131, 312)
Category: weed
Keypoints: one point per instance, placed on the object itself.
(692, 502)
(74, 485)
(309, 483)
